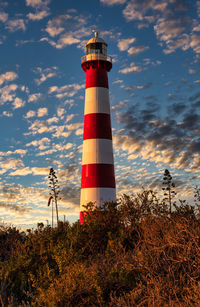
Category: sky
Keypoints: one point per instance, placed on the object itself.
(154, 98)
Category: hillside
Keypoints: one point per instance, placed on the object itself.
(135, 253)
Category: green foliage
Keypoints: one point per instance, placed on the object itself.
(131, 253)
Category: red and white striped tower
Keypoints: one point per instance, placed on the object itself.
(98, 178)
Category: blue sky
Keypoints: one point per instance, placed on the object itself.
(154, 96)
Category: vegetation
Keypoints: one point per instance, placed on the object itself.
(134, 253)
(53, 185)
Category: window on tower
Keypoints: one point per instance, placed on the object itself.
(96, 48)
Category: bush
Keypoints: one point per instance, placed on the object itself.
(133, 253)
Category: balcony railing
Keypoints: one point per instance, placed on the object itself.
(96, 56)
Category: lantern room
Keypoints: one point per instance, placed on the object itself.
(96, 45)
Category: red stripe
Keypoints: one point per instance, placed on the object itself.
(98, 176)
(97, 126)
(96, 77)
(82, 213)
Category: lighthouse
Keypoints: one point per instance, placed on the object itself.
(98, 177)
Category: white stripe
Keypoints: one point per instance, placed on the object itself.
(97, 100)
(97, 151)
(97, 195)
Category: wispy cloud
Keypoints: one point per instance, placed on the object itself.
(38, 15)
(20, 152)
(137, 49)
(3, 17)
(7, 114)
(34, 97)
(112, 2)
(15, 25)
(8, 93)
(41, 144)
(123, 44)
(7, 77)
(68, 90)
(37, 3)
(41, 9)
(162, 140)
(56, 25)
(131, 69)
(67, 29)
(42, 112)
(45, 73)
(10, 163)
(136, 9)
(18, 103)
(30, 114)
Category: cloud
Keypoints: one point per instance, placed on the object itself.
(137, 49)
(7, 114)
(41, 144)
(70, 117)
(10, 163)
(55, 148)
(123, 44)
(67, 146)
(196, 28)
(136, 9)
(167, 29)
(139, 87)
(7, 93)
(39, 127)
(112, 2)
(60, 112)
(18, 103)
(41, 9)
(41, 171)
(120, 105)
(20, 152)
(195, 43)
(45, 74)
(37, 3)
(172, 27)
(182, 42)
(52, 120)
(3, 17)
(177, 32)
(70, 26)
(42, 112)
(30, 114)
(68, 90)
(177, 108)
(8, 76)
(44, 171)
(38, 15)
(198, 7)
(79, 131)
(56, 25)
(67, 40)
(34, 97)
(15, 25)
(46, 126)
(13, 207)
(192, 71)
(131, 69)
(21, 172)
(161, 140)
(117, 81)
